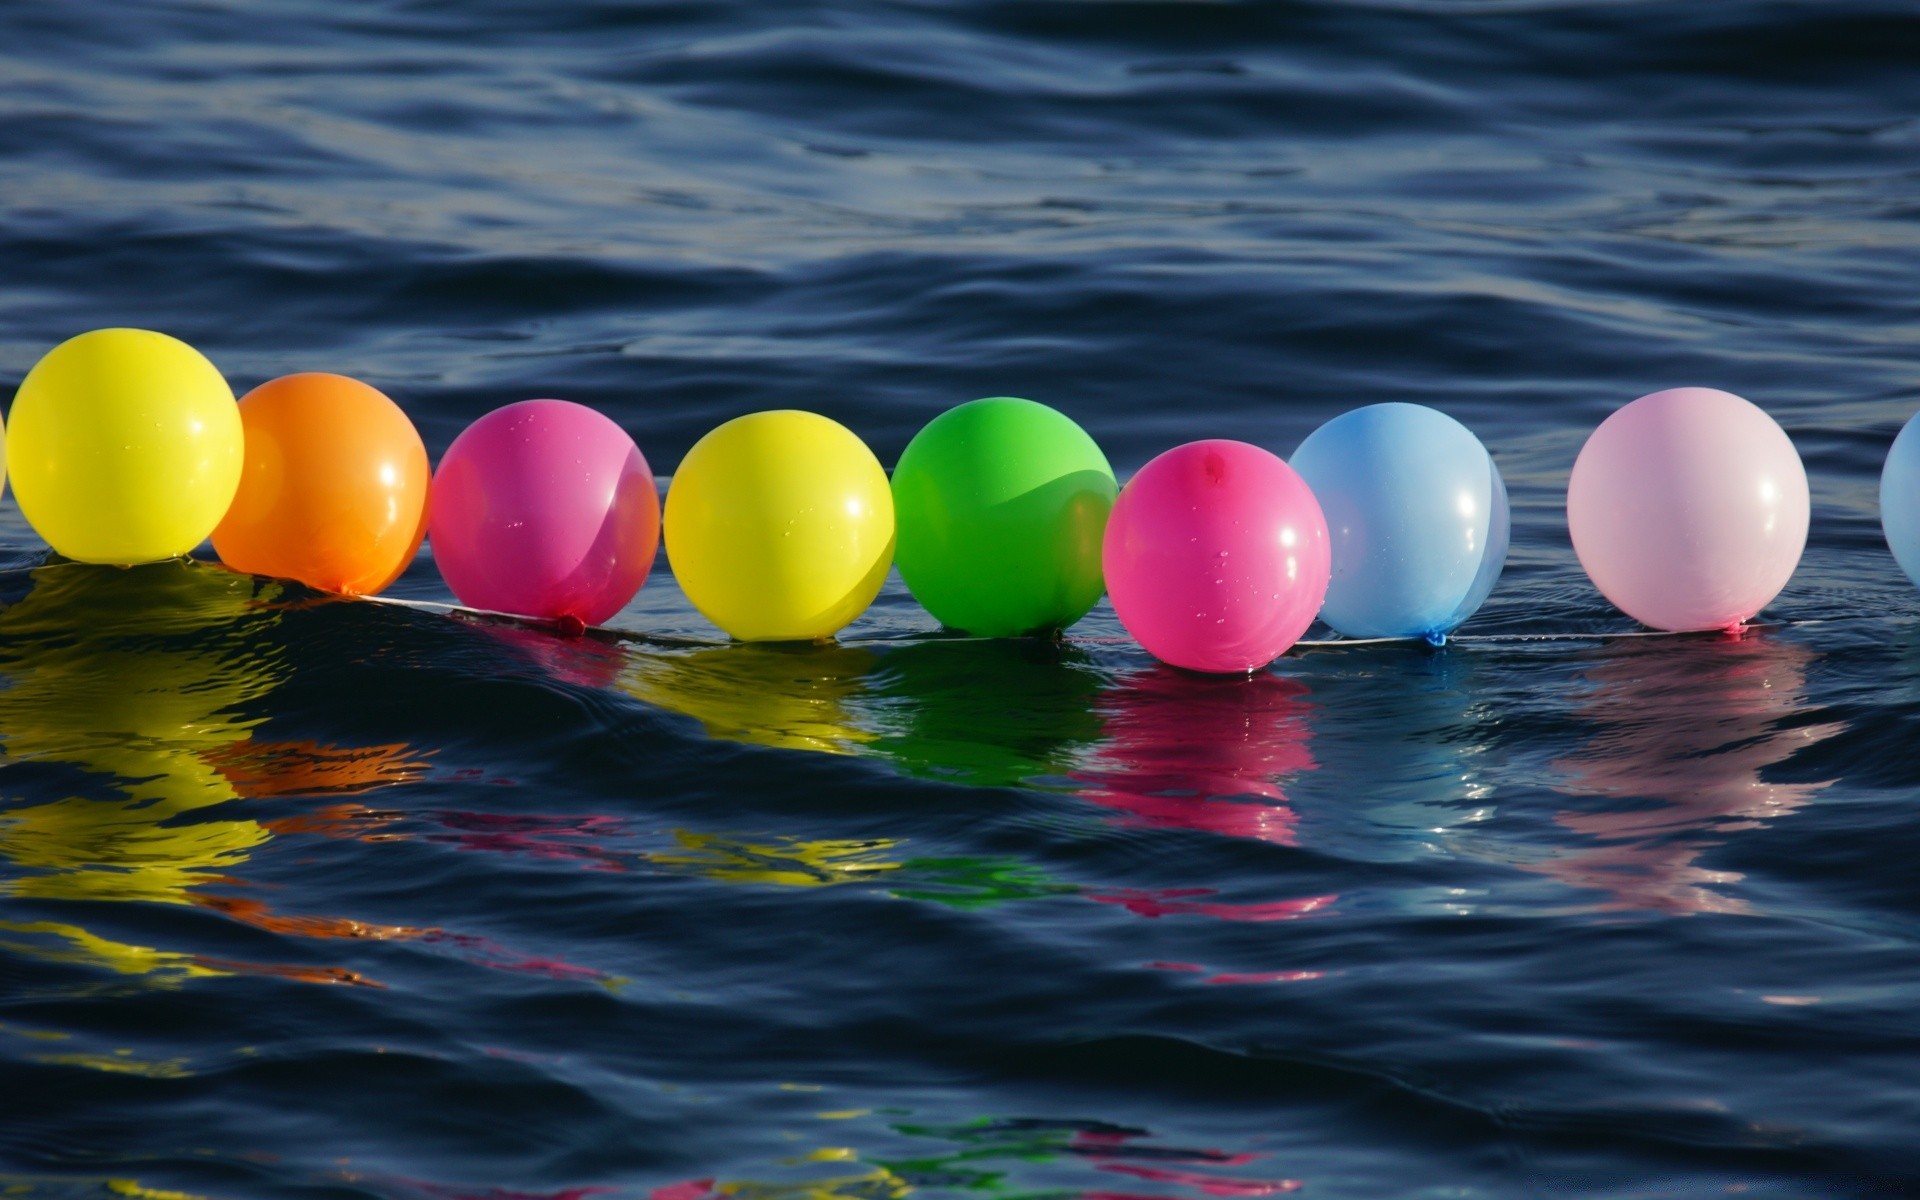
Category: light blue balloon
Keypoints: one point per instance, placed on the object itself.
(1417, 514)
(1900, 499)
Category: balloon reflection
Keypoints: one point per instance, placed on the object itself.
(787, 863)
(136, 690)
(140, 679)
(995, 714)
(957, 882)
(1005, 1157)
(789, 697)
(1160, 748)
(586, 662)
(1007, 713)
(1190, 752)
(841, 1176)
(1693, 727)
(1169, 750)
(985, 713)
(1165, 748)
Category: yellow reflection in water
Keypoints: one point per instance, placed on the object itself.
(23, 1186)
(59, 942)
(786, 697)
(1693, 728)
(137, 678)
(995, 713)
(141, 681)
(869, 1183)
(120, 1062)
(131, 1187)
(786, 863)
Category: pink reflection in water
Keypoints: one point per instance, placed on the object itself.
(1177, 902)
(1693, 728)
(1124, 1143)
(1119, 1145)
(577, 839)
(1268, 977)
(1211, 1185)
(584, 662)
(1190, 752)
(1239, 976)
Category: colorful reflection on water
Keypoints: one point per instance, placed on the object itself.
(1005, 1157)
(786, 697)
(1181, 751)
(1157, 748)
(1163, 749)
(1684, 738)
(138, 692)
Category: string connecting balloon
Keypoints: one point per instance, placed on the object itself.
(1687, 508)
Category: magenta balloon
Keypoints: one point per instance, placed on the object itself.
(1688, 509)
(544, 509)
(1216, 557)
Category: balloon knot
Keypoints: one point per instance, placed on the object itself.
(1436, 638)
(568, 625)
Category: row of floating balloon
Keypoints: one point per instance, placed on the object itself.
(1688, 508)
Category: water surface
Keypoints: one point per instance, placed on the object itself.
(304, 897)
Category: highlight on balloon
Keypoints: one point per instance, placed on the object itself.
(1688, 509)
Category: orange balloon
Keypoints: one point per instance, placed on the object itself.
(333, 492)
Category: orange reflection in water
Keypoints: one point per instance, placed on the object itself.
(265, 769)
(1692, 727)
(355, 822)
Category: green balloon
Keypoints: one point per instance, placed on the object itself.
(999, 507)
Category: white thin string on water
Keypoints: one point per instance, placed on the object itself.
(1315, 644)
(1479, 639)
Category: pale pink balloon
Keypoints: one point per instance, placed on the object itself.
(1688, 509)
(1216, 557)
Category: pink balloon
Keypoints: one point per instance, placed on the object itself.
(544, 509)
(1216, 557)
(1688, 509)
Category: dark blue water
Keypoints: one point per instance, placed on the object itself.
(315, 898)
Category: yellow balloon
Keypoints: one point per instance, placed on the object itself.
(779, 526)
(126, 447)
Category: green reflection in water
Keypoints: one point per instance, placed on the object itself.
(988, 713)
(959, 882)
(1008, 713)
